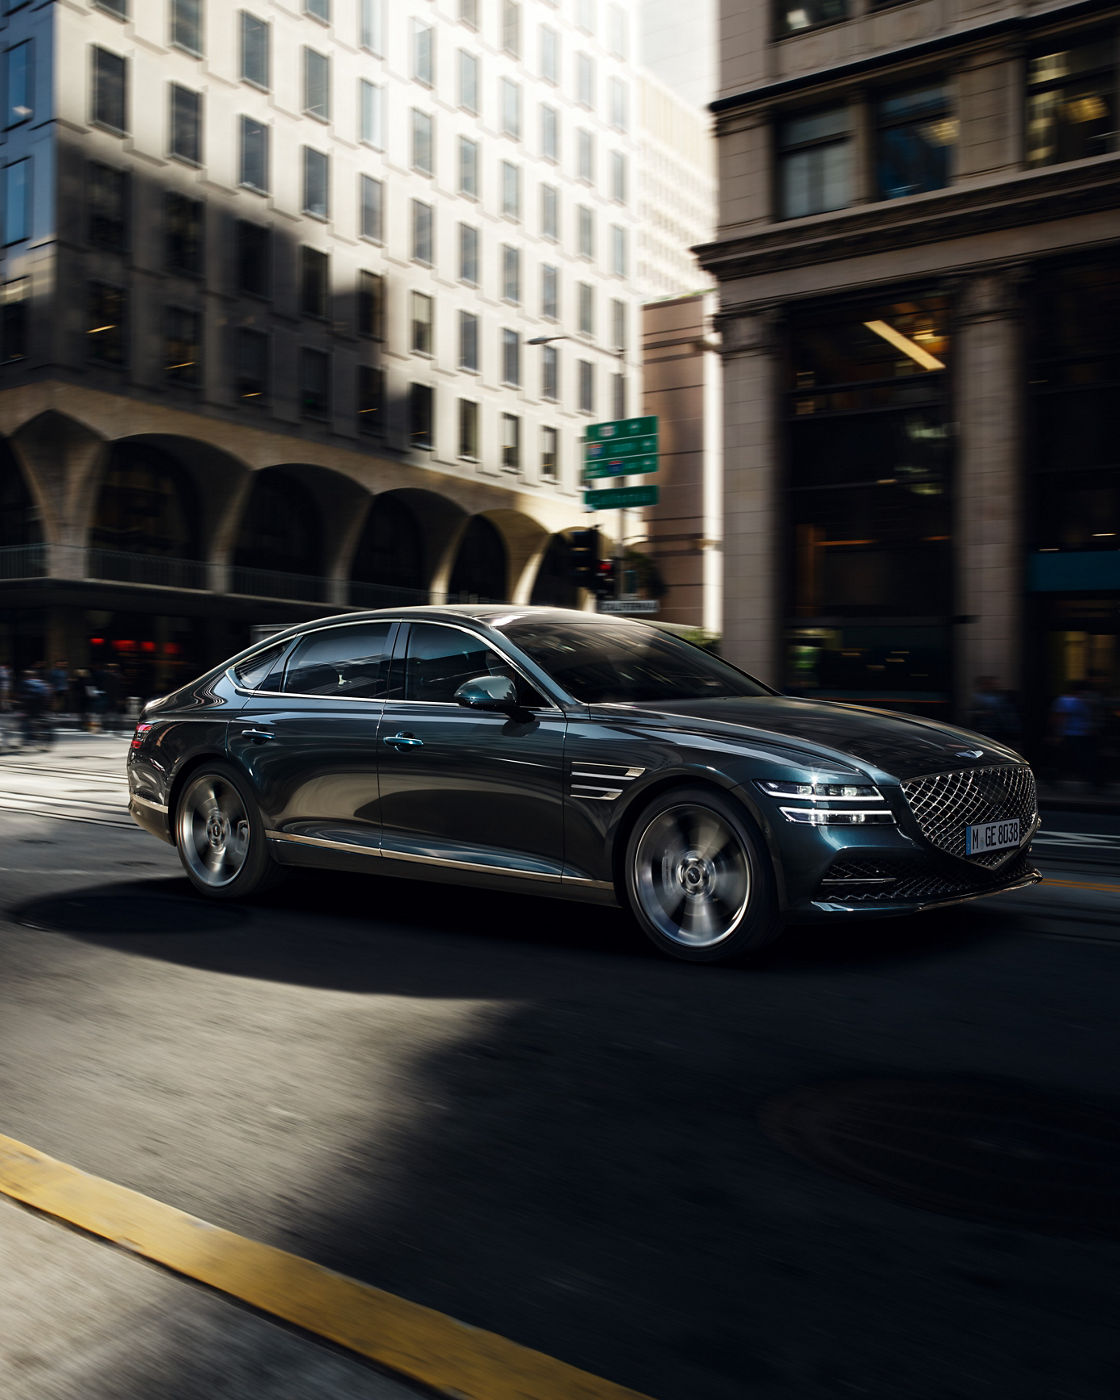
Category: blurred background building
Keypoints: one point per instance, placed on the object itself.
(919, 278)
(306, 305)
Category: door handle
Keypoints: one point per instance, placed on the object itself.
(403, 741)
(259, 736)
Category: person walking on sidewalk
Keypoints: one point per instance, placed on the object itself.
(1071, 722)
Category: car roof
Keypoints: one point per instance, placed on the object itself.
(485, 613)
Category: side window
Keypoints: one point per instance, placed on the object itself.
(346, 662)
(441, 658)
(253, 673)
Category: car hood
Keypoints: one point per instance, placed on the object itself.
(901, 745)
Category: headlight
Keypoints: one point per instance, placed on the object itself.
(831, 804)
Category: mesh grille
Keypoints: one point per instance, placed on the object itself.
(912, 882)
(945, 803)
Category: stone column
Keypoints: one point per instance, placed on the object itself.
(751, 596)
(988, 525)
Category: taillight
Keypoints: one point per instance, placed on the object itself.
(140, 735)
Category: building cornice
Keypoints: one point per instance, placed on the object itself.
(1065, 192)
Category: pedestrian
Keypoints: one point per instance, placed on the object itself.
(1071, 728)
(992, 713)
(35, 700)
(58, 678)
(5, 687)
(113, 685)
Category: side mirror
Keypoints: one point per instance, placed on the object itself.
(488, 693)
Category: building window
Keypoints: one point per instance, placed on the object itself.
(550, 132)
(618, 104)
(468, 12)
(318, 9)
(314, 383)
(255, 45)
(468, 167)
(107, 201)
(370, 107)
(182, 347)
(511, 274)
(468, 254)
(619, 181)
(585, 220)
(468, 341)
(511, 442)
(618, 394)
(110, 90)
(421, 141)
(422, 232)
(254, 259)
(619, 339)
(585, 162)
(468, 430)
(114, 7)
(550, 54)
(585, 15)
(511, 108)
(617, 38)
(314, 283)
(550, 373)
(254, 155)
(252, 365)
(550, 212)
(586, 308)
(511, 190)
(106, 329)
(184, 230)
(915, 137)
(420, 415)
(371, 304)
(316, 84)
(186, 124)
(511, 27)
(550, 292)
(14, 299)
(550, 454)
(511, 358)
(585, 80)
(371, 400)
(620, 255)
(423, 47)
(586, 387)
(371, 195)
(371, 25)
(1071, 102)
(316, 182)
(814, 163)
(17, 201)
(19, 84)
(422, 337)
(186, 25)
(468, 82)
(792, 16)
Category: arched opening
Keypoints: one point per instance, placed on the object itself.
(280, 545)
(146, 523)
(553, 586)
(481, 566)
(390, 563)
(20, 526)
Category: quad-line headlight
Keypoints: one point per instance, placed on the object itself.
(830, 804)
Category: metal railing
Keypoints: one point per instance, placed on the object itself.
(152, 569)
(23, 561)
(268, 583)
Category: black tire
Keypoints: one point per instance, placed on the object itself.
(698, 880)
(219, 834)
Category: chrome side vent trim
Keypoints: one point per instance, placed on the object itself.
(601, 782)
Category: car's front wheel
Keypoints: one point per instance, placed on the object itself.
(697, 879)
(220, 835)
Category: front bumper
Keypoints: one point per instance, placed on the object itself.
(877, 887)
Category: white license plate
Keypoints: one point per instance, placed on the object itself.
(990, 836)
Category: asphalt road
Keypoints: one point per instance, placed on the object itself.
(883, 1161)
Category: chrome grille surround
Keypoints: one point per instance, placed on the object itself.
(943, 804)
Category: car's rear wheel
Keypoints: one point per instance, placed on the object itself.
(697, 879)
(220, 835)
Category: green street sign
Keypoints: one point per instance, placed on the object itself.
(621, 447)
(619, 497)
(619, 466)
(622, 428)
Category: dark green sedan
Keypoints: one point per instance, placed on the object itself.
(581, 756)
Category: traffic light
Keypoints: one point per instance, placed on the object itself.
(605, 579)
(584, 556)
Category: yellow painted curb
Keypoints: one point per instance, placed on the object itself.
(414, 1341)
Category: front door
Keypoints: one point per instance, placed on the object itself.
(465, 789)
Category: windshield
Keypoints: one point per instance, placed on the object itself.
(603, 661)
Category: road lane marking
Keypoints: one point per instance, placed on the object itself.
(431, 1348)
(1081, 885)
